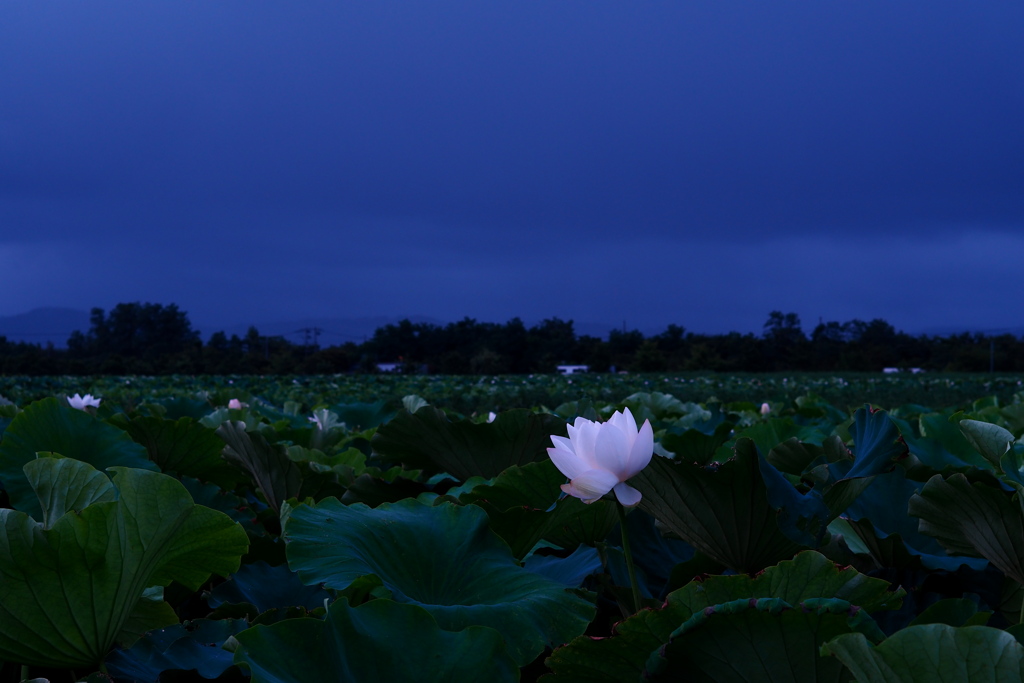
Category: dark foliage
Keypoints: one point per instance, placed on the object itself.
(153, 339)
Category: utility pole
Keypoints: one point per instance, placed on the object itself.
(310, 334)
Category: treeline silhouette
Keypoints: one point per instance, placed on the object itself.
(154, 339)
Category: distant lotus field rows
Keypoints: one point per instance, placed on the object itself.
(571, 529)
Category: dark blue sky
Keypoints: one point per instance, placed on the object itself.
(698, 163)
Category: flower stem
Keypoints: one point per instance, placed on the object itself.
(629, 557)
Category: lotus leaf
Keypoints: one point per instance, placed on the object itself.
(69, 590)
(759, 640)
(623, 657)
(879, 517)
(48, 425)
(722, 510)
(178, 407)
(380, 640)
(973, 519)
(569, 571)
(272, 471)
(183, 447)
(991, 440)
(63, 485)
(235, 507)
(953, 612)
(443, 558)
(265, 587)
(190, 646)
(362, 416)
(693, 445)
(464, 449)
(524, 507)
(932, 652)
(803, 517)
(793, 456)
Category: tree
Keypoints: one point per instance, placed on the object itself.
(784, 342)
(134, 332)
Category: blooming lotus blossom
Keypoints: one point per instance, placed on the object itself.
(599, 457)
(491, 416)
(235, 404)
(83, 402)
(325, 420)
(765, 409)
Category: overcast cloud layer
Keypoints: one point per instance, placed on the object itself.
(697, 163)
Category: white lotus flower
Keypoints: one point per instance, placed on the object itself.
(491, 416)
(83, 402)
(599, 457)
(325, 420)
(235, 404)
(765, 409)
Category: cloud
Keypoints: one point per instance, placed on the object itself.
(670, 162)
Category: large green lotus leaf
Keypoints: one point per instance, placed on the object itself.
(570, 571)
(654, 554)
(759, 641)
(362, 416)
(265, 587)
(524, 507)
(68, 591)
(623, 657)
(180, 406)
(275, 474)
(932, 652)
(575, 522)
(997, 445)
(694, 445)
(380, 640)
(235, 507)
(443, 558)
(878, 444)
(973, 519)
(181, 647)
(879, 517)
(49, 426)
(1014, 418)
(771, 432)
(721, 510)
(953, 612)
(373, 490)
(427, 439)
(793, 456)
(809, 575)
(803, 517)
(939, 427)
(941, 446)
(183, 447)
(991, 440)
(863, 538)
(63, 485)
(656, 406)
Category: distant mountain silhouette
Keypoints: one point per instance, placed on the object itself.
(44, 325)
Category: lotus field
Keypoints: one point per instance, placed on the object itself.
(571, 530)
